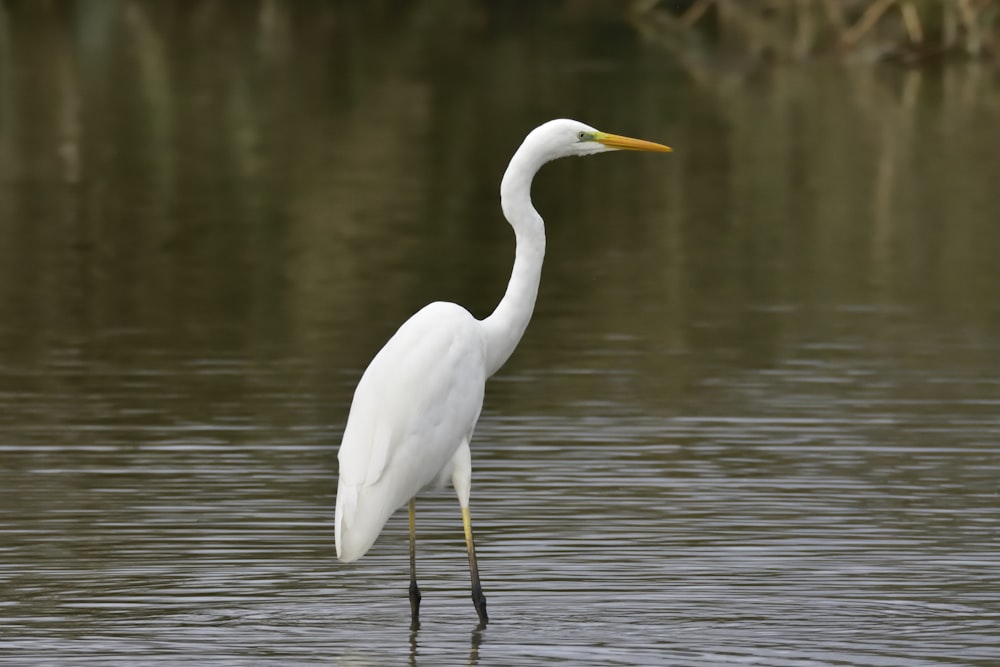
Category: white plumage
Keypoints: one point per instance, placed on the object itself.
(437, 364)
(416, 406)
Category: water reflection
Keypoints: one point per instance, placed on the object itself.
(754, 420)
(475, 640)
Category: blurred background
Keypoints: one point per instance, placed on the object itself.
(762, 376)
(227, 173)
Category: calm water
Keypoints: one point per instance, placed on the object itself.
(756, 419)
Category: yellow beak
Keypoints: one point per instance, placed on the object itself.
(629, 144)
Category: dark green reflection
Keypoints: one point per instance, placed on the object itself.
(265, 180)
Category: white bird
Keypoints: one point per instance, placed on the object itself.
(417, 403)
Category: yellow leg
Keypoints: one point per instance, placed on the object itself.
(414, 589)
(478, 599)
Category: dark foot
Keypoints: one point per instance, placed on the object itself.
(479, 600)
(414, 605)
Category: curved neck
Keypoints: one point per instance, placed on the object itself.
(505, 326)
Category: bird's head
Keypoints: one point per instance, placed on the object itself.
(550, 141)
(565, 138)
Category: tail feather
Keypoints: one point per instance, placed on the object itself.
(357, 524)
(347, 499)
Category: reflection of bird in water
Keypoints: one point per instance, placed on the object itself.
(417, 403)
(475, 641)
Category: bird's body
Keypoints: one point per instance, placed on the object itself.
(436, 361)
(417, 404)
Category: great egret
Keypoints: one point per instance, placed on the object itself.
(417, 403)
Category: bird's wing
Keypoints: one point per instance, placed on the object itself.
(416, 403)
(419, 397)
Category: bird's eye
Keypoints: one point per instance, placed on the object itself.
(582, 136)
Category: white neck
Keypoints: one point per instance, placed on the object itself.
(503, 329)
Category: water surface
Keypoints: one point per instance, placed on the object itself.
(754, 420)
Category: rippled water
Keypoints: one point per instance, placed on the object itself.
(812, 513)
(754, 421)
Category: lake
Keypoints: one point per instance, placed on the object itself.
(755, 418)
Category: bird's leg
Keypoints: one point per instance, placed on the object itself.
(478, 599)
(461, 479)
(414, 589)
